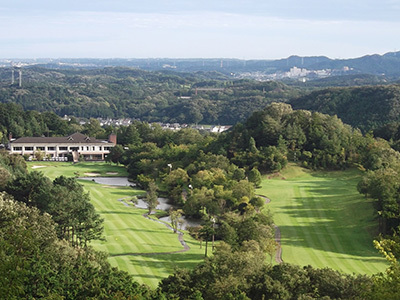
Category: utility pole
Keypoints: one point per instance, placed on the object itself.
(20, 78)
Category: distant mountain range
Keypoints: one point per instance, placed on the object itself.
(387, 65)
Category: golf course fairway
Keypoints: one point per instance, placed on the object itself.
(324, 221)
(142, 247)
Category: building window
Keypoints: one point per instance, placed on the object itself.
(87, 148)
(17, 148)
(94, 148)
(63, 148)
(107, 148)
(40, 148)
(100, 148)
(51, 148)
(28, 148)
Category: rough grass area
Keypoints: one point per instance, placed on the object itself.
(126, 231)
(324, 221)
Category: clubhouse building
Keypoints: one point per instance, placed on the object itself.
(60, 148)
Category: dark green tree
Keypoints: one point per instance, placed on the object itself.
(151, 198)
(255, 177)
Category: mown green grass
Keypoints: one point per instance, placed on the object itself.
(69, 169)
(127, 231)
(324, 221)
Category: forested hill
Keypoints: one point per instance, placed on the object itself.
(362, 107)
(208, 98)
(387, 64)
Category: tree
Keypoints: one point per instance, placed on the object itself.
(31, 188)
(176, 218)
(76, 218)
(13, 162)
(129, 135)
(255, 177)
(115, 154)
(5, 176)
(199, 200)
(151, 196)
(39, 155)
(93, 128)
(243, 188)
(174, 183)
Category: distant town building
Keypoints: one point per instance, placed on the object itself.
(60, 148)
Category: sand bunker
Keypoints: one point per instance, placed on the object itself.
(92, 174)
(37, 167)
(112, 173)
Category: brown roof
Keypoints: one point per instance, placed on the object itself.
(71, 139)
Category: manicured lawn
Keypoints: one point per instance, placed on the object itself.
(82, 169)
(127, 231)
(324, 221)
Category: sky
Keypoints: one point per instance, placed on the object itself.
(252, 29)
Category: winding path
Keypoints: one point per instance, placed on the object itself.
(180, 238)
(278, 254)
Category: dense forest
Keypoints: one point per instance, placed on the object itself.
(207, 98)
(366, 107)
(195, 98)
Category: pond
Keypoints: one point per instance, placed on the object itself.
(186, 222)
(123, 181)
(119, 181)
(163, 203)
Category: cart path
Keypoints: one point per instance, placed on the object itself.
(180, 239)
(278, 254)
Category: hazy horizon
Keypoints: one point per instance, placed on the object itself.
(185, 58)
(178, 29)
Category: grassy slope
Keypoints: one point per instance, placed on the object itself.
(324, 221)
(127, 231)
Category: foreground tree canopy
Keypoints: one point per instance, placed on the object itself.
(35, 263)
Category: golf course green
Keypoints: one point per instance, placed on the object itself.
(142, 247)
(324, 221)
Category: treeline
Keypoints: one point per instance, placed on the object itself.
(366, 108)
(278, 134)
(148, 96)
(15, 122)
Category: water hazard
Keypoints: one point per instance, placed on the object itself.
(163, 203)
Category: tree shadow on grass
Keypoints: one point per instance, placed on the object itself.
(168, 261)
(107, 212)
(327, 229)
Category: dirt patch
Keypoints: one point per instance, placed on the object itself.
(37, 167)
(112, 173)
(91, 174)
